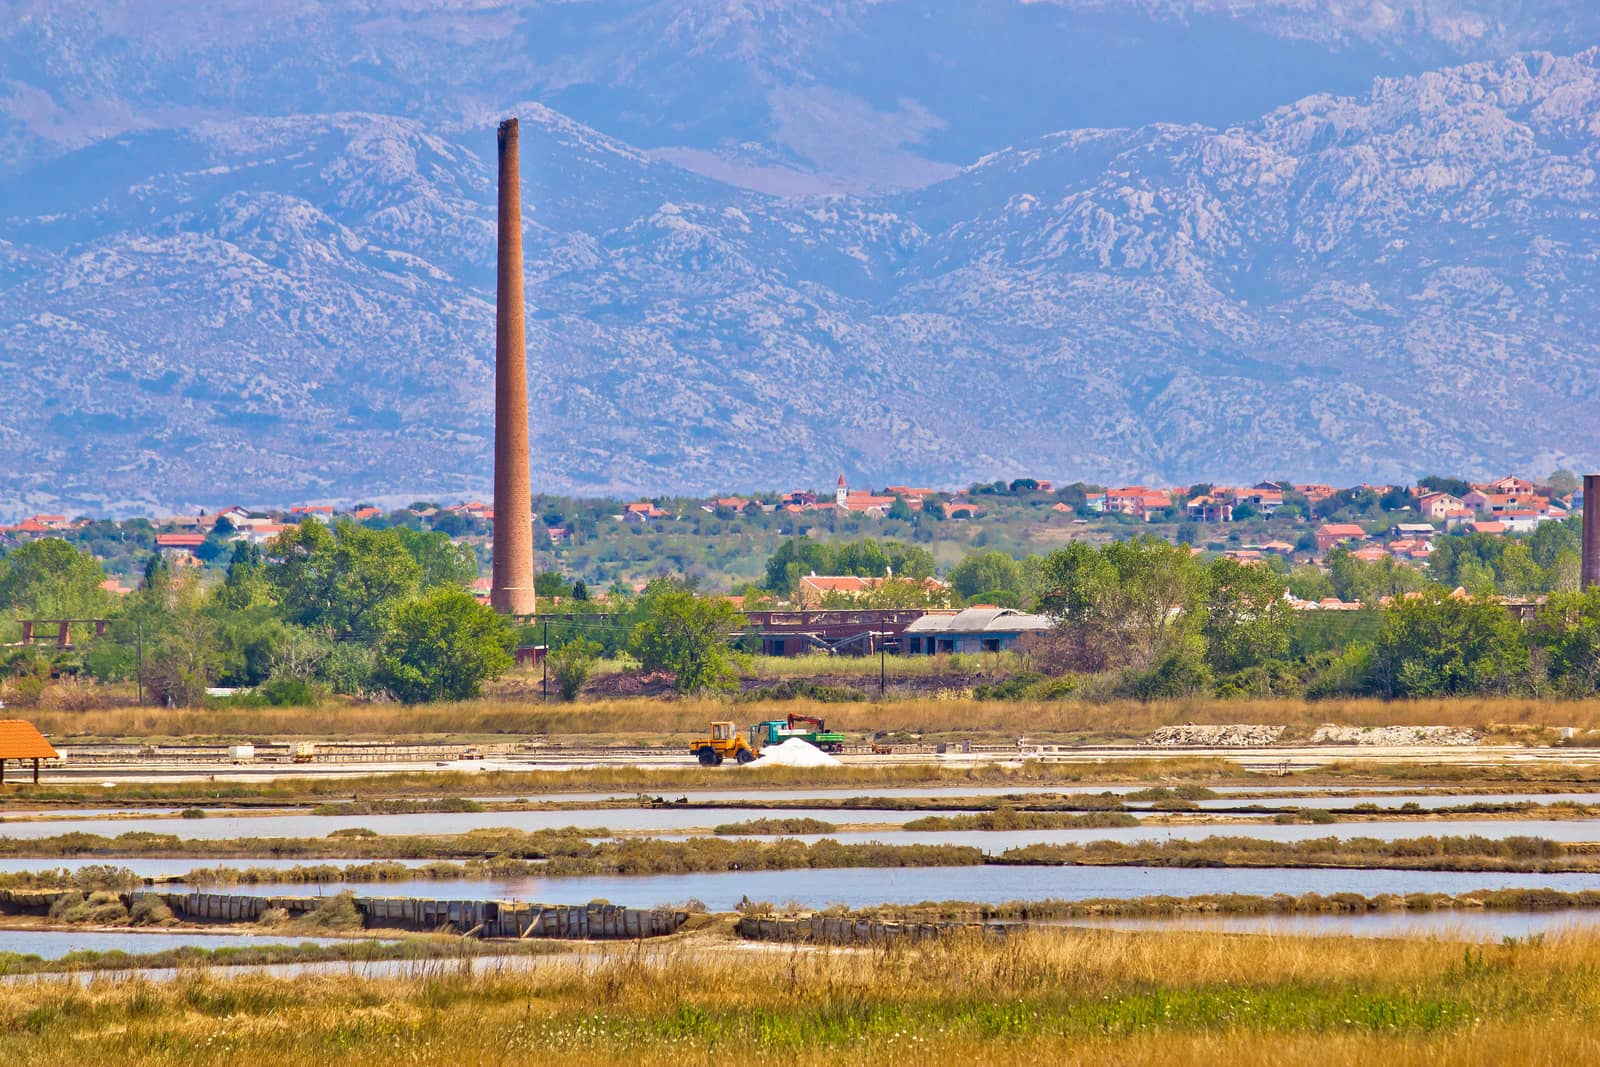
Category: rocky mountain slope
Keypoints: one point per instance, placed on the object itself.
(785, 96)
(301, 307)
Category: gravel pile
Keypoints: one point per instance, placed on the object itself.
(1393, 735)
(1233, 735)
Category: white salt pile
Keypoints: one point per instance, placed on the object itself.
(794, 753)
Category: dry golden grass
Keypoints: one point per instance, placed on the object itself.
(1066, 996)
(657, 720)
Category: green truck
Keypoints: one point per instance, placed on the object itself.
(807, 728)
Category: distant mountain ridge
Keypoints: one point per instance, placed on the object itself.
(300, 307)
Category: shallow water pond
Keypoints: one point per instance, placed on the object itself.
(863, 887)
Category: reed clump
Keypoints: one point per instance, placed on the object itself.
(559, 852)
(1468, 853)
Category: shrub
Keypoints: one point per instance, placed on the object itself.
(150, 911)
(572, 664)
(799, 689)
(1017, 687)
(1180, 674)
(336, 913)
(287, 692)
(100, 908)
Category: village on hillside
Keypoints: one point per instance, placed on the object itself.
(724, 541)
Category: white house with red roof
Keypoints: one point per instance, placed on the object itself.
(1435, 506)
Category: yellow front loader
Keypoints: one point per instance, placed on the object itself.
(724, 743)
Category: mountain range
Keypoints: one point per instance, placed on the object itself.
(248, 255)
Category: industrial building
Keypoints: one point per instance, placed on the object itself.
(975, 630)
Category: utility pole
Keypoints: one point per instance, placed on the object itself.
(883, 661)
(544, 661)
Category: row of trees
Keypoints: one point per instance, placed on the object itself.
(344, 608)
(1173, 624)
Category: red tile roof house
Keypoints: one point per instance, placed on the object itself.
(962, 510)
(259, 533)
(865, 502)
(1210, 509)
(1265, 499)
(1495, 503)
(29, 527)
(644, 511)
(1524, 520)
(1410, 548)
(1510, 484)
(1137, 500)
(1435, 506)
(1335, 533)
(179, 543)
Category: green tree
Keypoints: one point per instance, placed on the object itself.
(1247, 619)
(49, 578)
(572, 664)
(1515, 571)
(1567, 629)
(551, 584)
(443, 561)
(340, 580)
(1131, 603)
(1309, 582)
(1563, 481)
(985, 572)
(1437, 644)
(794, 559)
(442, 645)
(1360, 581)
(687, 636)
(1435, 483)
(170, 622)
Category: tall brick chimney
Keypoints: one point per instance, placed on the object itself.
(512, 589)
(1591, 530)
